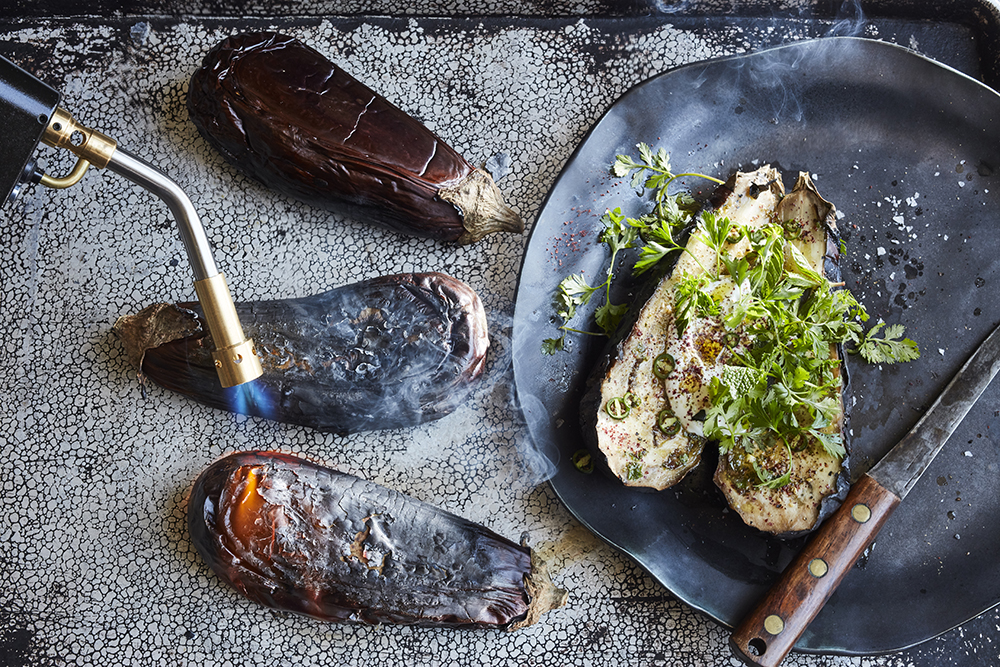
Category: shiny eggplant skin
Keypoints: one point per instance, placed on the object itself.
(296, 536)
(388, 352)
(283, 114)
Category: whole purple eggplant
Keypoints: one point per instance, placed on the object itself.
(388, 352)
(283, 114)
(296, 536)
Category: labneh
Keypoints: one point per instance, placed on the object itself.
(648, 409)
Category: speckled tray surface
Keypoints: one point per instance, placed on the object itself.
(96, 567)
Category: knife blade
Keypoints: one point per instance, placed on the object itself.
(769, 632)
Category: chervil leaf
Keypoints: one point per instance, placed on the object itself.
(623, 165)
(891, 347)
(646, 155)
(573, 291)
(553, 345)
(831, 442)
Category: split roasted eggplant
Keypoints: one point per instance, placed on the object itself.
(389, 352)
(296, 536)
(283, 114)
(692, 342)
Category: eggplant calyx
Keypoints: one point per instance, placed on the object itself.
(483, 208)
(153, 326)
(543, 595)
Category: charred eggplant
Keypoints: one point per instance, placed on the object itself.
(283, 114)
(388, 352)
(296, 536)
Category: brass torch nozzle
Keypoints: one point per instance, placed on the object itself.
(236, 359)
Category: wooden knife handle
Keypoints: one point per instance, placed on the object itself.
(766, 636)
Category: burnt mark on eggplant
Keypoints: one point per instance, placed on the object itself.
(296, 536)
(283, 114)
(388, 352)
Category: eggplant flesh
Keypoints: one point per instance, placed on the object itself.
(283, 114)
(388, 352)
(818, 478)
(296, 536)
(636, 448)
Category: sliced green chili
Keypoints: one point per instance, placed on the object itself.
(617, 408)
(668, 423)
(583, 461)
(730, 339)
(663, 365)
(793, 228)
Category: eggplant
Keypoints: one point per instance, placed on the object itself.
(644, 407)
(283, 114)
(296, 536)
(388, 352)
(818, 478)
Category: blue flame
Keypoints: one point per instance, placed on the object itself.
(251, 398)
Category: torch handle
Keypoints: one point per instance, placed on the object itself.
(766, 636)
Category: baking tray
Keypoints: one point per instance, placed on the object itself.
(97, 567)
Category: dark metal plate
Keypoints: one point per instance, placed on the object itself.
(908, 151)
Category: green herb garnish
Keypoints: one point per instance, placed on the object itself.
(889, 348)
(782, 319)
(653, 234)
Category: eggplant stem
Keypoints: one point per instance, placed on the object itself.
(482, 207)
(543, 595)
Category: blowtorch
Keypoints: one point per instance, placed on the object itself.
(30, 113)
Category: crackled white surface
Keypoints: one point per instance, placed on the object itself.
(97, 563)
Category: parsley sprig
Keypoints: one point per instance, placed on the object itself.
(653, 234)
(779, 390)
(574, 291)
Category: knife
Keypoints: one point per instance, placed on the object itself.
(769, 632)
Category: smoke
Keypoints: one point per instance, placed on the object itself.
(523, 411)
(850, 20)
(775, 74)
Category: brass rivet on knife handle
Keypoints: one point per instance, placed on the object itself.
(861, 513)
(818, 567)
(770, 631)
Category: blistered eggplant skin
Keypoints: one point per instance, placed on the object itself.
(389, 352)
(300, 537)
(283, 114)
